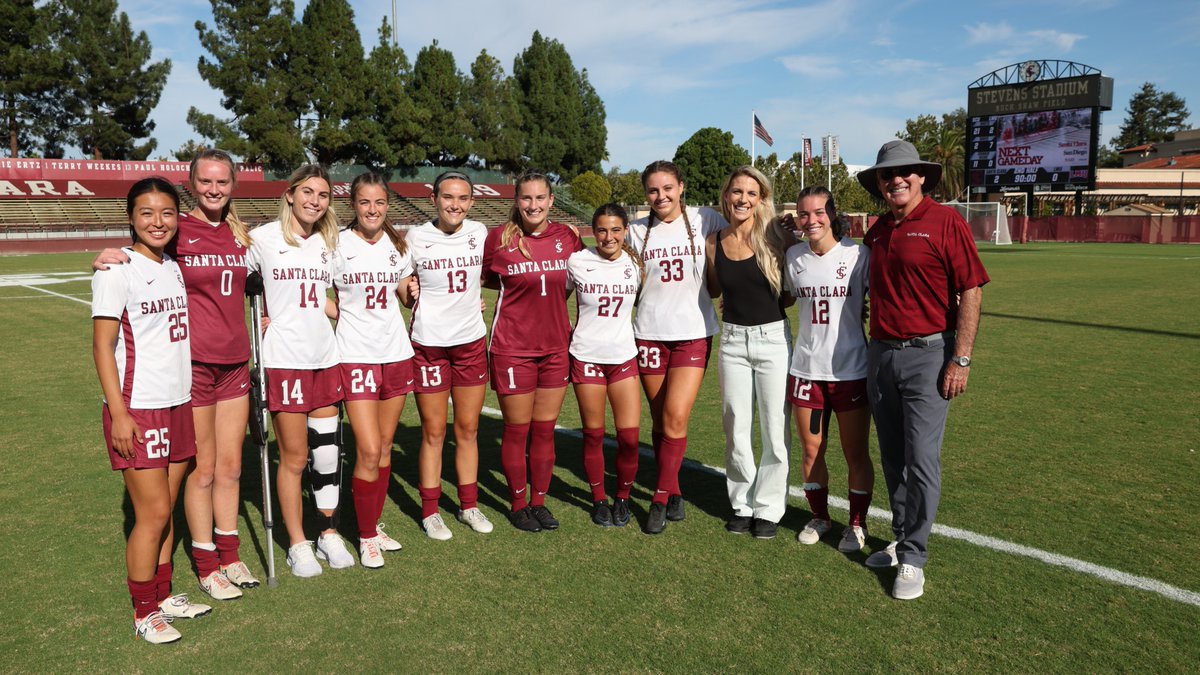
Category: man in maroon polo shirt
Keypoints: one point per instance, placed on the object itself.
(925, 279)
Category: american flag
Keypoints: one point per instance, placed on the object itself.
(761, 132)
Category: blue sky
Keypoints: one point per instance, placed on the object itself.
(854, 68)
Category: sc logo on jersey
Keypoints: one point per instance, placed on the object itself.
(841, 272)
(392, 259)
(558, 247)
(471, 242)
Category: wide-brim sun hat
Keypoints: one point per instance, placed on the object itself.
(900, 153)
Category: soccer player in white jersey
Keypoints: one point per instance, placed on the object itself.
(143, 360)
(828, 276)
(294, 254)
(450, 360)
(674, 324)
(211, 252)
(603, 351)
(371, 262)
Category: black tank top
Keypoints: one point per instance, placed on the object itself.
(749, 300)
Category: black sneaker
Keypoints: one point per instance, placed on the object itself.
(656, 522)
(620, 512)
(763, 529)
(544, 517)
(738, 524)
(675, 508)
(601, 514)
(525, 520)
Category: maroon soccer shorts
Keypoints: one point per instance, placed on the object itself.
(584, 372)
(439, 368)
(656, 356)
(302, 391)
(523, 374)
(168, 435)
(214, 382)
(377, 381)
(815, 394)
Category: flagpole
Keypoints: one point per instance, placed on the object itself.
(752, 135)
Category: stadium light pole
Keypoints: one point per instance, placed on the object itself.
(393, 23)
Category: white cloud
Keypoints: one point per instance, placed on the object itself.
(985, 33)
(812, 66)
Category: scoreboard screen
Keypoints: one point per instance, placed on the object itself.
(1049, 150)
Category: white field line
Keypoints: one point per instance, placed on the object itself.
(1074, 564)
(60, 295)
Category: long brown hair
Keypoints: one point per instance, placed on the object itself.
(327, 225)
(664, 166)
(512, 229)
(361, 181)
(229, 214)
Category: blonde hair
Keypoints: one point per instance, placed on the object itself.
(765, 241)
(229, 214)
(512, 229)
(371, 178)
(327, 225)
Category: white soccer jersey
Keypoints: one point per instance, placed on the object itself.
(448, 267)
(675, 303)
(829, 290)
(604, 293)
(296, 279)
(370, 328)
(153, 352)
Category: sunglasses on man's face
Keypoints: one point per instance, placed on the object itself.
(902, 171)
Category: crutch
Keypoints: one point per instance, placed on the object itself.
(260, 423)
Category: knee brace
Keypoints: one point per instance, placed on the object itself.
(324, 460)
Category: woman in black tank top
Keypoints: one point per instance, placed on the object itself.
(745, 263)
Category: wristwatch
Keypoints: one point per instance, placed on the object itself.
(961, 361)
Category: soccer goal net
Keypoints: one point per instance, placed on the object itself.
(988, 220)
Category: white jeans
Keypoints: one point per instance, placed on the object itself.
(753, 366)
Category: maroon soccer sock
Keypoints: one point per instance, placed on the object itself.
(670, 458)
(142, 593)
(593, 461)
(818, 502)
(627, 460)
(382, 482)
(429, 500)
(363, 493)
(860, 502)
(541, 460)
(206, 560)
(468, 496)
(162, 581)
(227, 546)
(512, 459)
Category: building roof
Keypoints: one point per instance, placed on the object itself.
(1176, 162)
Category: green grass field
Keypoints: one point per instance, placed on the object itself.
(1078, 436)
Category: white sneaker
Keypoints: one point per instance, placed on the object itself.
(332, 548)
(435, 528)
(239, 575)
(302, 561)
(475, 519)
(853, 538)
(370, 552)
(910, 583)
(156, 629)
(217, 585)
(883, 559)
(813, 531)
(385, 542)
(178, 607)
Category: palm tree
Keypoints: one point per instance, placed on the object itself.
(947, 146)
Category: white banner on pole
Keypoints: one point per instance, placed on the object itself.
(833, 150)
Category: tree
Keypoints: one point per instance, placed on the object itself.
(625, 186)
(942, 141)
(112, 84)
(563, 115)
(187, 152)
(437, 86)
(490, 103)
(328, 52)
(1151, 117)
(29, 70)
(706, 160)
(250, 46)
(592, 189)
(393, 133)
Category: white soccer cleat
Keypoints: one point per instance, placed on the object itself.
(883, 559)
(910, 583)
(156, 629)
(853, 539)
(302, 561)
(385, 542)
(217, 585)
(332, 548)
(475, 519)
(178, 607)
(370, 553)
(239, 575)
(813, 531)
(435, 528)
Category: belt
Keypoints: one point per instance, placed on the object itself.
(922, 341)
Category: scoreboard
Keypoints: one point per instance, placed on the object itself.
(1049, 150)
